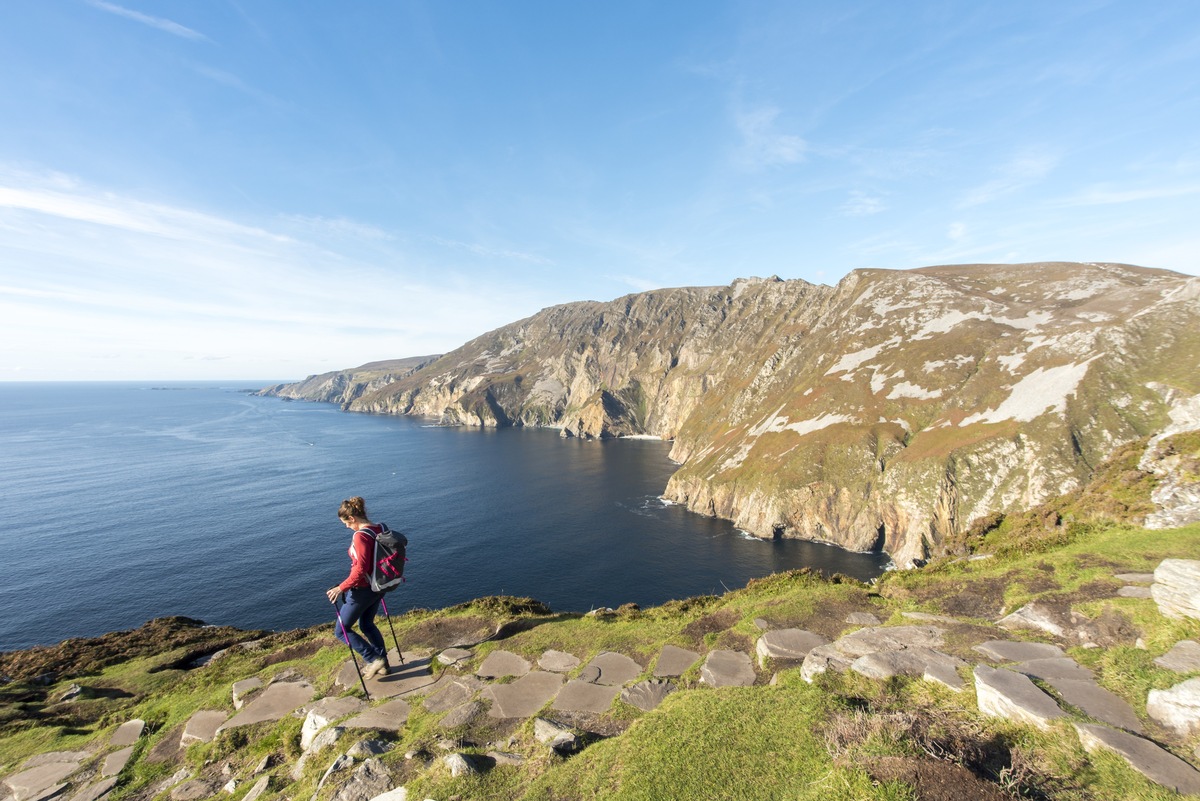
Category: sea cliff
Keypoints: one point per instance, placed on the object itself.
(891, 411)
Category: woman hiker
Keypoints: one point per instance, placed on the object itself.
(361, 602)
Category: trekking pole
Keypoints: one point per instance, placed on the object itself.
(353, 658)
(399, 653)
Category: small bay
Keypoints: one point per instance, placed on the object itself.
(124, 502)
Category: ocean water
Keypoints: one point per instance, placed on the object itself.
(124, 502)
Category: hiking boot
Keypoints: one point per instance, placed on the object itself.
(373, 668)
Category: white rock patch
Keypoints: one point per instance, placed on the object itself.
(1044, 390)
(906, 389)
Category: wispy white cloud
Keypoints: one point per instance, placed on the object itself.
(762, 145)
(490, 252)
(957, 231)
(636, 283)
(1025, 170)
(1106, 196)
(861, 204)
(149, 289)
(154, 22)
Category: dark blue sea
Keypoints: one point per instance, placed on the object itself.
(124, 502)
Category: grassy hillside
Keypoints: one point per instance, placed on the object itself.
(843, 736)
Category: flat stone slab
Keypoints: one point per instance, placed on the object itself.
(1132, 591)
(728, 669)
(839, 655)
(674, 661)
(583, 696)
(1157, 765)
(945, 675)
(646, 695)
(615, 669)
(862, 619)
(925, 617)
(1014, 651)
(461, 715)
(558, 662)
(1060, 667)
(503, 663)
(1177, 708)
(115, 762)
(525, 696)
(1184, 657)
(1034, 616)
(413, 676)
(908, 662)
(386, 717)
(39, 779)
(96, 791)
(1135, 578)
(787, 644)
(276, 701)
(127, 733)
(202, 726)
(1097, 702)
(456, 692)
(242, 690)
(453, 656)
(1005, 694)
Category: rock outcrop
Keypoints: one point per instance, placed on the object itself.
(886, 412)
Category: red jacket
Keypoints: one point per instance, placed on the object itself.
(362, 547)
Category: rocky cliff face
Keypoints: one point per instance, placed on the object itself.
(888, 411)
(343, 386)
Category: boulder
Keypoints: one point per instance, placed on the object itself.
(1184, 657)
(460, 765)
(1145, 757)
(1176, 588)
(555, 735)
(368, 780)
(1178, 708)
(365, 749)
(1005, 694)
(728, 669)
(325, 712)
(41, 778)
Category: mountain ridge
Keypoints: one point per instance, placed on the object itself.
(888, 411)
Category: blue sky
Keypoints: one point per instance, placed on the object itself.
(269, 189)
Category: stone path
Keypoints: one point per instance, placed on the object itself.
(1034, 683)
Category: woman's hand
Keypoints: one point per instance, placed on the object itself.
(332, 593)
